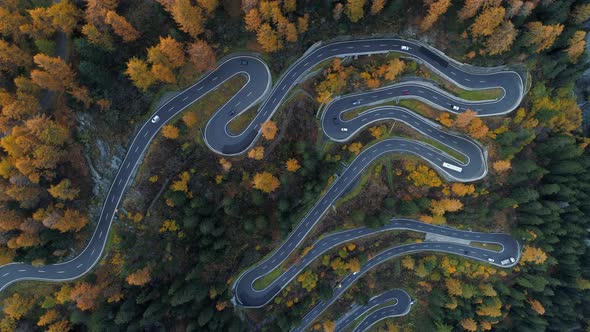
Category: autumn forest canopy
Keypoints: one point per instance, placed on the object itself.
(78, 78)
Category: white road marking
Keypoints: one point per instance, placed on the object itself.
(79, 266)
(118, 183)
(482, 81)
(41, 271)
(128, 164)
(171, 108)
(249, 93)
(5, 274)
(136, 148)
(145, 135)
(199, 89)
(185, 98)
(61, 272)
(92, 253)
(305, 64)
(22, 270)
(453, 73)
(100, 235)
(214, 79)
(468, 80)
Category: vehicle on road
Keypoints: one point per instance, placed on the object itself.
(505, 261)
(354, 273)
(155, 119)
(406, 92)
(512, 259)
(339, 286)
(244, 62)
(453, 167)
(232, 112)
(343, 129)
(335, 119)
(455, 107)
(356, 102)
(405, 48)
(491, 260)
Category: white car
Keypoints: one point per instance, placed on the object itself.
(491, 260)
(455, 107)
(343, 129)
(505, 262)
(405, 48)
(155, 119)
(512, 260)
(354, 273)
(356, 102)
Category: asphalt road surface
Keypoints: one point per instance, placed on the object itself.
(380, 307)
(258, 89)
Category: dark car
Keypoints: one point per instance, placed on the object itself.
(406, 92)
(232, 113)
(244, 62)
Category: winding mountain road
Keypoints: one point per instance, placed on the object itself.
(258, 89)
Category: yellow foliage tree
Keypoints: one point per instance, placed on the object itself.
(393, 68)
(577, 45)
(377, 6)
(17, 306)
(253, 20)
(422, 175)
(354, 9)
(265, 181)
(182, 183)
(64, 190)
(444, 205)
(454, 287)
(533, 255)
(139, 73)
(445, 119)
(469, 324)
(48, 317)
(308, 280)
(355, 147)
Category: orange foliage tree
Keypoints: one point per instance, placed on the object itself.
(439, 207)
(17, 306)
(85, 295)
(469, 9)
(256, 153)
(292, 165)
(170, 132)
(140, 277)
(542, 36)
(202, 55)
(461, 189)
(469, 324)
(269, 129)
(121, 27)
(487, 21)
(501, 39)
(435, 10)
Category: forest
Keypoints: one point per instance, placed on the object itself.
(77, 78)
